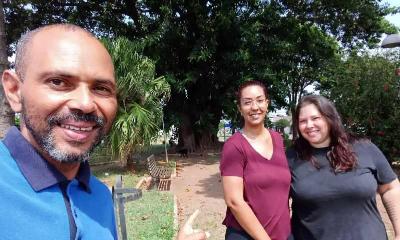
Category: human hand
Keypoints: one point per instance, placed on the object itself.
(188, 233)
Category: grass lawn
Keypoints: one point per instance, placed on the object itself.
(150, 217)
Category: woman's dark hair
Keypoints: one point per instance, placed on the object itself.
(341, 154)
(247, 84)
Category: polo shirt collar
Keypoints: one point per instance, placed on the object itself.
(39, 173)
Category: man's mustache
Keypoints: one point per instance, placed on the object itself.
(57, 119)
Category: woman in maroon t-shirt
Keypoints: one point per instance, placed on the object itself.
(255, 173)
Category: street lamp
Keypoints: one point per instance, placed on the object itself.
(392, 41)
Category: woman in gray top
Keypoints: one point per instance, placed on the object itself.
(335, 180)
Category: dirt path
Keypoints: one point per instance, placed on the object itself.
(198, 186)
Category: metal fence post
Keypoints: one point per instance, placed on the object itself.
(119, 201)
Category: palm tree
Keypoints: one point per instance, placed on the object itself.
(140, 95)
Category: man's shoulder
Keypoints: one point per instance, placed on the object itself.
(4, 153)
(3, 149)
(98, 186)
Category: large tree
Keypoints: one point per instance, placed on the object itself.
(303, 38)
(210, 47)
(297, 53)
(366, 92)
(206, 48)
(200, 55)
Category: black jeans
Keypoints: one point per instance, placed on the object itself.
(233, 234)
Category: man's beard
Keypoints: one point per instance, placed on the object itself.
(46, 140)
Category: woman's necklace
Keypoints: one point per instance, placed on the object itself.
(263, 136)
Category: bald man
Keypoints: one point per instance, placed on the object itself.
(64, 88)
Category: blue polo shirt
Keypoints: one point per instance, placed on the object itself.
(38, 202)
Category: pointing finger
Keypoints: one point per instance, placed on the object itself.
(192, 217)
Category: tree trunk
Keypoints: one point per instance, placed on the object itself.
(208, 141)
(186, 135)
(196, 141)
(6, 114)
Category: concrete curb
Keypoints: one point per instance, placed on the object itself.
(173, 175)
(176, 222)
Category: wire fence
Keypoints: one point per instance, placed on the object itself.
(102, 155)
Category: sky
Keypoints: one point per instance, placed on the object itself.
(394, 19)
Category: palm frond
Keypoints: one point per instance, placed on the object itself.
(140, 95)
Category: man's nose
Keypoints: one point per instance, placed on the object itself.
(82, 99)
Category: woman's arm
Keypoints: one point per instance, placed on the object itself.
(233, 194)
(390, 194)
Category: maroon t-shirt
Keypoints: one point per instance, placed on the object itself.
(266, 183)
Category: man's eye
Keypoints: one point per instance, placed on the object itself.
(56, 82)
(103, 90)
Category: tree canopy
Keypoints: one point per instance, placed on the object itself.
(205, 49)
(366, 92)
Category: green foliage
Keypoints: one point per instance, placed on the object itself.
(282, 123)
(205, 49)
(287, 141)
(367, 94)
(198, 50)
(140, 95)
(17, 120)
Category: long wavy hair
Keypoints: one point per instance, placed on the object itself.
(340, 155)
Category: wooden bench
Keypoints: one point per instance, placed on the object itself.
(160, 174)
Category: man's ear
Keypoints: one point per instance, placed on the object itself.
(12, 89)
